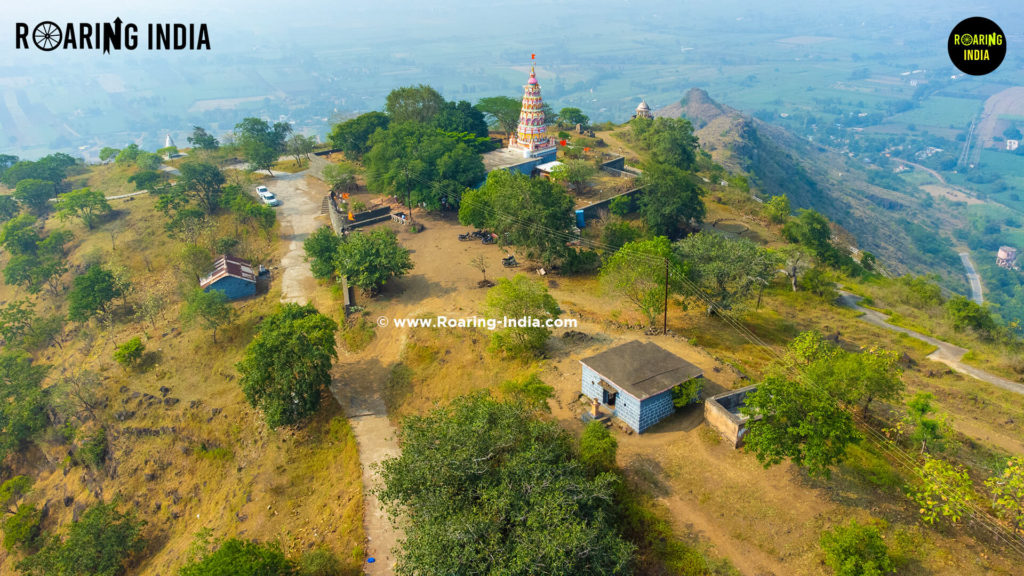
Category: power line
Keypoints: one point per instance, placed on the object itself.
(982, 517)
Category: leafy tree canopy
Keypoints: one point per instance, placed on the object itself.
(234, 557)
(637, 272)
(353, 136)
(90, 293)
(287, 365)
(489, 488)
(419, 104)
(534, 214)
(521, 297)
(501, 112)
(671, 199)
(202, 139)
(85, 204)
(321, 249)
(97, 544)
(369, 259)
(35, 194)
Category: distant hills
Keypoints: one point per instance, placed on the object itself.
(897, 224)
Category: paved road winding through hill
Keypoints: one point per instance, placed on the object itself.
(945, 353)
(973, 278)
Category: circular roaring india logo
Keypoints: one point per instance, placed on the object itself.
(977, 46)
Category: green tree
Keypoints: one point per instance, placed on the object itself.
(129, 354)
(801, 421)
(299, 147)
(598, 447)
(202, 182)
(925, 428)
(726, 272)
(107, 153)
(24, 412)
(35, 194)
(856, 549)
(617, 234)
(638, 273)
(147, 180)
(413, 104)
(353, 136)
(487, 487)
(461, 116)
(167, 152)
(409, 160)
(9, 207)
(575, 173)
(944, 491)
(521, 298)
(16, 318)
(873, 374)
(6, 161)
(501, 112)
(202, 139)
(339, 176)
(261, 143)
(320, 562)
(1007, 489)
(287, 366)
(778, 209)
(85, 203)
(52, 168)
(148, 161)
(672, 143)
(321, 249)
(530, 390)
(195, 260)
(209, 308)
(128, 154)
(99, 543)
(91, 292)
(571, 117)
(21, 529)
(234, 557)
(964, 313)
(534, 214)
(670, 201)
(369, 259)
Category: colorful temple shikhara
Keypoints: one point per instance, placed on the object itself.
(531, 137)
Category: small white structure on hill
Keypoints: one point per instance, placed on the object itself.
(1007, 257)
(168, 142)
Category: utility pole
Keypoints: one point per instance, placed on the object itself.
(664, 324)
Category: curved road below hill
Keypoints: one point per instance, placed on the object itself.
(973, 278)
(945, 353)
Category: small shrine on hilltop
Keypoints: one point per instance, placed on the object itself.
(531, 138)
(643, 110)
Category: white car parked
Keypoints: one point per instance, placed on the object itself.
(268, 198)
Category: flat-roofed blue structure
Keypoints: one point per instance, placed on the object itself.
(634, 381)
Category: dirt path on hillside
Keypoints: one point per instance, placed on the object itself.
(356, 387)
(945, 353)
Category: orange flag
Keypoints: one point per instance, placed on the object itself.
(533, 56)
(586, 149)
(344, 195)
(350, 216)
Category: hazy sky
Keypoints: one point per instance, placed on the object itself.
(305, 61)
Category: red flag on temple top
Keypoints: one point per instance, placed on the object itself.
(533, 56)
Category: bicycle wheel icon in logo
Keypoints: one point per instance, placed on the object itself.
(47, 36)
